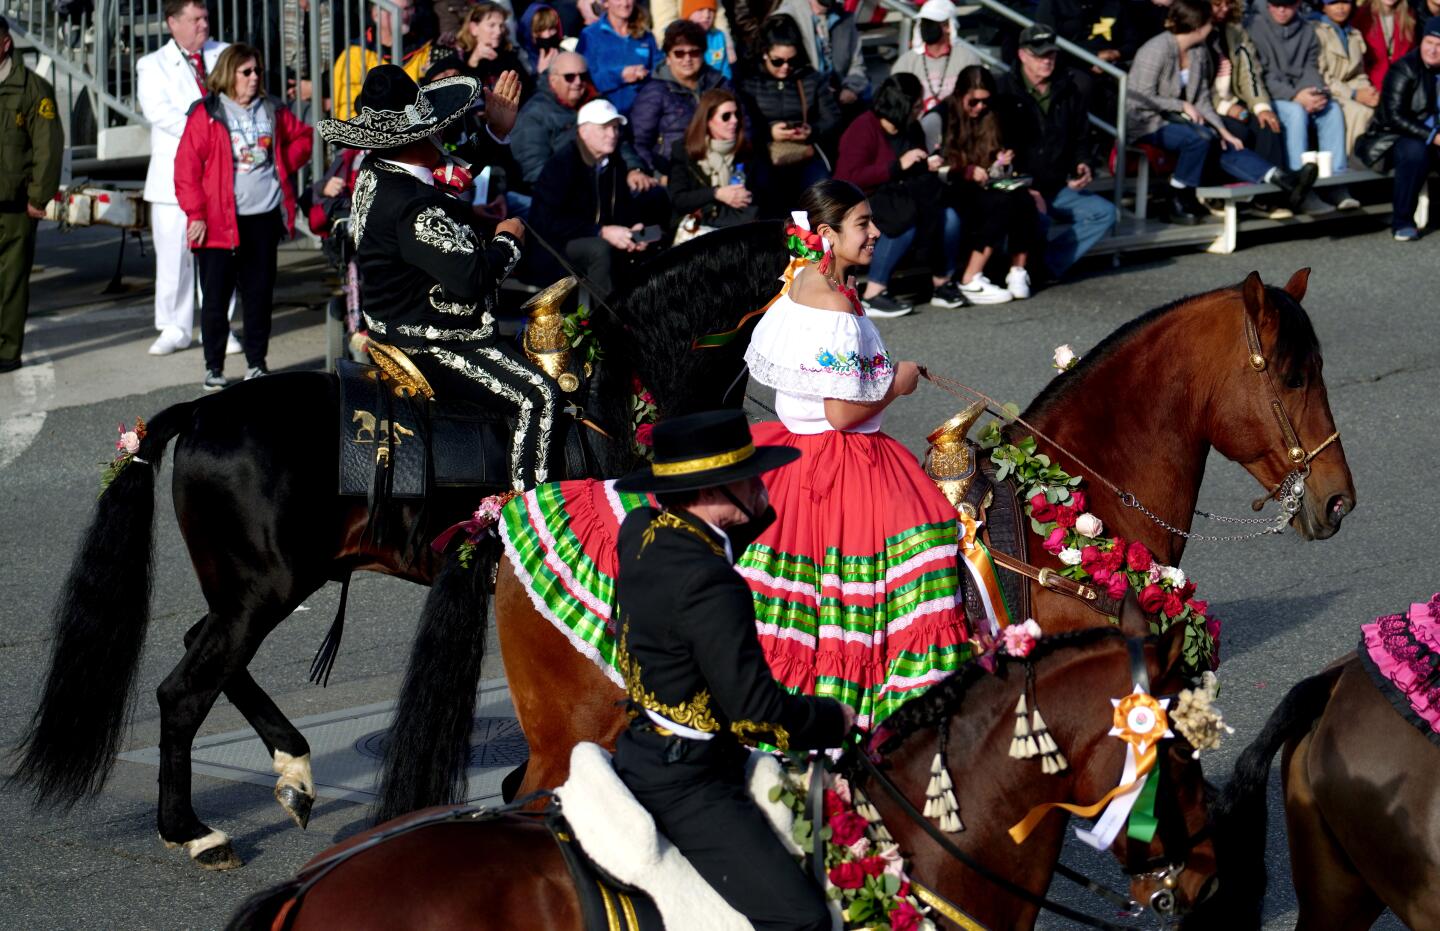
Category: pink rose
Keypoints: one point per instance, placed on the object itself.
(1055, 542)
(860, 848)
(894, 863)
(1152, 598)
(849, 875)
(1138, 558)
(873, 866)
(1173, 605)
(1101, 575)
(834, 804)
(1078, 501)
(1020, 638)
(129, 442)
(841, 787)
(846, 828)
(642, 434)
(1117, 586)
(904, 917)
(1090, 558)
(1041, 509)
(1200, 607)
(1066, 516)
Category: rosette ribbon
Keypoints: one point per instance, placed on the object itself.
(982, 569)
(1141, 722)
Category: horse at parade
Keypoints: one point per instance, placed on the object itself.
(460, 866)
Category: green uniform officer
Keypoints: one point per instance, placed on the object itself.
(31, 145)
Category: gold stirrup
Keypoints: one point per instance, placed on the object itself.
(399, 369)
(545, 341)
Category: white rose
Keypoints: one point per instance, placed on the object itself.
(1088, 525)
(1065, 358)
(1070, 556)
(1172, 574)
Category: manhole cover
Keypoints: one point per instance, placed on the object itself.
(494, 742)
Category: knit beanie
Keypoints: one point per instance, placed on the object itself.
(690, 6)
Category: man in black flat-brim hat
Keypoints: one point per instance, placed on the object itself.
(696, 676)
(428, 282)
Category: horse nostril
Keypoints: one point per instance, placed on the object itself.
(1337, 507)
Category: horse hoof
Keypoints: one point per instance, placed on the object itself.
(216, 859)
(296, 804)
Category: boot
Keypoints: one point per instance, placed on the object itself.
(1185, 207)
(1296, 184)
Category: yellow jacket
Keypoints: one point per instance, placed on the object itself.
(355, 61)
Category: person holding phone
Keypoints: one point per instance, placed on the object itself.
(621, 51)
(583, 205)
(1290, 55)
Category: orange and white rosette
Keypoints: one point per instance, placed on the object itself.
(982, 570)
(1140, 720)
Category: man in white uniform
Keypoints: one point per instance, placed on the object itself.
(168, 82)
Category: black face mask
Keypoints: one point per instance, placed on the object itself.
(742, 535)
(547, 42)
(931, 32)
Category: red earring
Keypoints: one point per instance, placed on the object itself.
(826, 263)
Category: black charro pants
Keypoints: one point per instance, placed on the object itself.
(248, 269)
(701, 803)
(457, 368)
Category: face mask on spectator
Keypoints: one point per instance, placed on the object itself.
(931, 32)
(548, 42)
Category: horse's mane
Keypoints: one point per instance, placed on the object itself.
(1297, 349)
(703, 286)
(945, 698)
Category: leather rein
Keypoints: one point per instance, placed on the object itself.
(1289, 492)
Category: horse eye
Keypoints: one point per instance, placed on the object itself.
(1295, 382)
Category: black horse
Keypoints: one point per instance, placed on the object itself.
(255, 494)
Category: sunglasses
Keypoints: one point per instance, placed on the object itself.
(980, 102)
(574, 76)
(725, 116)
(686, 52)
(245, 72)
(776, 62)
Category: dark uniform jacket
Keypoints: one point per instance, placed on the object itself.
(31, 140)
(1048, 146)
(688, 649)
(426, 275)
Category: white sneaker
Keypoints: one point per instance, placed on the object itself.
(980, 290)
(232, 345)
(1017, 282)
(170, 340)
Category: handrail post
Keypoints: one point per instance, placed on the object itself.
(1122, 165)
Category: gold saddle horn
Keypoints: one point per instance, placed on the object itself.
(545, 341)
(949, 461)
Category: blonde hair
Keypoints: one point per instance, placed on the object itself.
(221, 79)
(1404, 16)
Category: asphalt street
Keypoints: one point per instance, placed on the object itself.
(1288, 607)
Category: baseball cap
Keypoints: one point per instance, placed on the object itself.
(599, 112)
(938, 11)
(1038, 38)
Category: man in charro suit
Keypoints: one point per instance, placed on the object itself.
(696, 676)
(428, 282)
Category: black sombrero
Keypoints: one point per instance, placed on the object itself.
(392, 110)
(702, 451)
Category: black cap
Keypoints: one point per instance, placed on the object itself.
(1432, 27)
(702, 451)
(1038, 38)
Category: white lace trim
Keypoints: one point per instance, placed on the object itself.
(815, 353)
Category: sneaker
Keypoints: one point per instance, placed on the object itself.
(885, 304)
(214, 380)
(1017, 282)
(170, 340)
(948, 295)
(232, 345)
(1343, 199)
(1407, 234)
(256, 371)
(980, 290)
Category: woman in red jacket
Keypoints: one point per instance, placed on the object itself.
(1388, 28)
(233, 179)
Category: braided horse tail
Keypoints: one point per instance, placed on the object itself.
(68, 749)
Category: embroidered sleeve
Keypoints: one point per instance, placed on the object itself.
(436, 229)
(360, 203)
(820, 354)
(449, 251)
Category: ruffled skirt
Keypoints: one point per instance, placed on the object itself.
(857, 586)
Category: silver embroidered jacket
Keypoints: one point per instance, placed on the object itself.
(426, 276)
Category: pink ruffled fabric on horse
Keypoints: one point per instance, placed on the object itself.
(1404, 649)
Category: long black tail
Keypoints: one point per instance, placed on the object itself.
(1239, 816)
(263, 911)
(429, 746)
(68, 750)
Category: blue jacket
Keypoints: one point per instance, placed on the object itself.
(608, 54)
(663, 110)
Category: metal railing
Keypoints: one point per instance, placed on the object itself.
(910, 14)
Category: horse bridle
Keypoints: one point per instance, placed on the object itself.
(1164, 870)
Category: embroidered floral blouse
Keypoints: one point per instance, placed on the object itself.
(808, 354)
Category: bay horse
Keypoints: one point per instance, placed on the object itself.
(1362, 807)
(255, 491)
(1143, 409)
(507, 872)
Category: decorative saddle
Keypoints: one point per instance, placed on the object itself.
(399, 440)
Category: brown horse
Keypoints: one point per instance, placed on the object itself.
(1361, 807)
(508, 872)
(1191, 364)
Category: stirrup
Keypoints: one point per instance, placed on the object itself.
(397, 366)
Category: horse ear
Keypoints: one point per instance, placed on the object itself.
(1298, 284)
(1253, 290)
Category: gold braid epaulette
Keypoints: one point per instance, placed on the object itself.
(754, 732)
(672, 521)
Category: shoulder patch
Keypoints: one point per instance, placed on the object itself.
(47, 108)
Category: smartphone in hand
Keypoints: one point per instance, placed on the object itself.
(648, 234)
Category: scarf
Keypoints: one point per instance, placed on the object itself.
(719, 162)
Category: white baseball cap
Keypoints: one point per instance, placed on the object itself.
(940, 11)
(601, 111)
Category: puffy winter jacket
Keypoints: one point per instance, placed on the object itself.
(608, 54)
(663, 110)
(542, 128)
(205, 168)
(768, 100)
